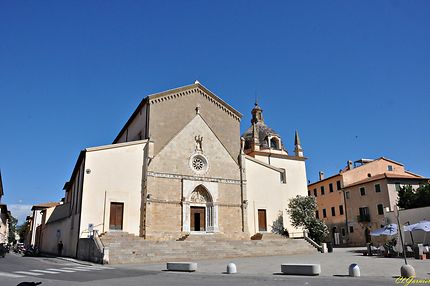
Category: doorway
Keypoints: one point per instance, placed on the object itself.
(262, 220)
(116, 216)
(367, 235)
(198, 215)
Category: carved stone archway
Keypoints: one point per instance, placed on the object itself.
(199, 204)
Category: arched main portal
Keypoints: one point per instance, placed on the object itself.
(200, 211)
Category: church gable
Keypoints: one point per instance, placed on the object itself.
(195, 151)
(162, 115)
(171, 111)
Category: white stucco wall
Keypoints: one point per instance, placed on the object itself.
(112, 174)
(61, 230)
(411, 216)
(37, 220)
(264, 191)
(4, 228)
(296, 184)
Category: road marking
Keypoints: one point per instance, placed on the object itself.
(45, 271)
(104, 267)
(28, 273)
(10, 275)
(89, 268)
(37, 272)
(61, 270)
(76, 269)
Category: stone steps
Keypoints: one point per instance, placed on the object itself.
(126, 248)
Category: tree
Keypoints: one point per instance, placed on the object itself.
(408, 198)
(23, 229)
(278, 225)
(318, 231)
(12, 230)
(423, 196)
(302, 213)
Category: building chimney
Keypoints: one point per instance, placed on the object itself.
(321, 173)
(349, 165)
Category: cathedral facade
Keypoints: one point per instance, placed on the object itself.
(180, 167)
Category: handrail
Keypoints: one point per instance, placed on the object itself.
(98, 241)
(87, 230)
(311, 241)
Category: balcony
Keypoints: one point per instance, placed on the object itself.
(363, 218)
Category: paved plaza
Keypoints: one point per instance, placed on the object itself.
(251, 271)
(332, 264)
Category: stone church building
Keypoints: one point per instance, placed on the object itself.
(179, 167)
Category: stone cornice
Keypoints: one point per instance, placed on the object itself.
(158, 201)
(192, 178)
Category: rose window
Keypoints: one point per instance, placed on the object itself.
(199, 164)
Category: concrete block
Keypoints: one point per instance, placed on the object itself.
(182, 266)
(301, 269)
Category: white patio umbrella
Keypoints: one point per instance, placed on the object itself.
(389, 229)
(422, 225)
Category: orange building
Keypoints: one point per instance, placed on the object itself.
(331, 206)
(363, 191)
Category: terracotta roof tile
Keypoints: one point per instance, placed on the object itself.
(45, 205)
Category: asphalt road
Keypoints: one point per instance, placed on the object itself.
(53, 271)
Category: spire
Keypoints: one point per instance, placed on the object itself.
(257, 113)
(298, 147)
(1, 187)
(297, 139)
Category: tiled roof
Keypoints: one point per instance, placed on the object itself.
(386, 176)
(44, 205)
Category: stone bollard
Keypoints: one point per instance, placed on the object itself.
(354, 270)
(231, 268)
(407, 271)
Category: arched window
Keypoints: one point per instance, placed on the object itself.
(274, 143)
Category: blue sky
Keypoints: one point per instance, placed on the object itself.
(352, 76)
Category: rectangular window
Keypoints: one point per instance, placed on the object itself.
(324, 213)
(315, 193)
(333, 211)
(317, 215)
(343, 231)
(341, 209)
(377, 188)
(351, 229)
(364, 215)
(347, 195)
(322, 190)
(390, 168)
(309, 193)
(338, 186)
(330, 186)
(362, 191)
(380, 209)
